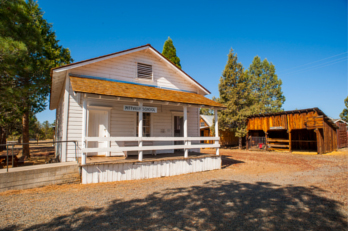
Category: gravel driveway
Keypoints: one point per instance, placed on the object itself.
(253, 191)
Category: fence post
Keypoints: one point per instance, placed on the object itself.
(7, 158)
(12, 157)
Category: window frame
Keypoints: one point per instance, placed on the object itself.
(136, 71)
(149, 126)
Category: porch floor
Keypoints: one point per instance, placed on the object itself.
(96, 160)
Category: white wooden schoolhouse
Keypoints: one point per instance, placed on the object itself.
(135, 115)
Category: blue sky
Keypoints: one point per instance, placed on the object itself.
(305, 40)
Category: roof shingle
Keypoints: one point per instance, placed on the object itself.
(110, 88)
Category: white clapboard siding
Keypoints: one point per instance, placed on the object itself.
(74, 124)
(60, 121)
(125, 68)
(135, 171)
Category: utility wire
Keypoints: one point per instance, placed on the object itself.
(313, 68)
(315, 61)
(315, 65)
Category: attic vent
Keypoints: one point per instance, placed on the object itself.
(144, 71)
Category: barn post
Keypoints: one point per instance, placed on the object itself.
(185, 130)
(140, 130)
(289, 131)
(320, 142)
(216, 129)
(266, 133)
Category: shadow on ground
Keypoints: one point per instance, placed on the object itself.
(227, 161)
(217, 205)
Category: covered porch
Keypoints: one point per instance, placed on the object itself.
(157, 123)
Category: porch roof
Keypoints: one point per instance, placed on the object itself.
(119, 89)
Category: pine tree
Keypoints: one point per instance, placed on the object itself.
(344, 114)
(30, 83)
(235, 94)
(266, 86)
(206, 111)
(169, 52)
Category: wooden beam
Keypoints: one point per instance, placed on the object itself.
(277, 140)
(140, 130)
(150, 148)
(289, 140)
(84, 130)
(117, 139)
(278, 145)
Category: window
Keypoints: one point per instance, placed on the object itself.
(202, 124)
(146, 124)
(144, 71)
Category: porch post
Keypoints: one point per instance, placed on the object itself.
(216, 129)
(185, 130)
(84, 120)
(140, 130)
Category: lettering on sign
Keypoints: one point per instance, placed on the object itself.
(138, 108)
(277, 128)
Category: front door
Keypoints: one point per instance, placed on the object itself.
(97, 127)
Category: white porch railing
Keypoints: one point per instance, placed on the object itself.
(186, 146)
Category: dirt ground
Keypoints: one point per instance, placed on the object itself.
(252, 191)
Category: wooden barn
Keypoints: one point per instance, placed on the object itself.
(342, 133)
(298, 130)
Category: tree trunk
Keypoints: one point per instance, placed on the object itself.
(2, 139)
(240, 143)
(25, 124)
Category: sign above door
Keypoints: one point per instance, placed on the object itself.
(138, 108)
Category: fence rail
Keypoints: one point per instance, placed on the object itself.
(22, 144)
(150, 138)
(186, 146)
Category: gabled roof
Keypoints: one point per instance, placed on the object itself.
(112, 55)
(208, 119)
(128, 90)
(338, 120)
(59, 74)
